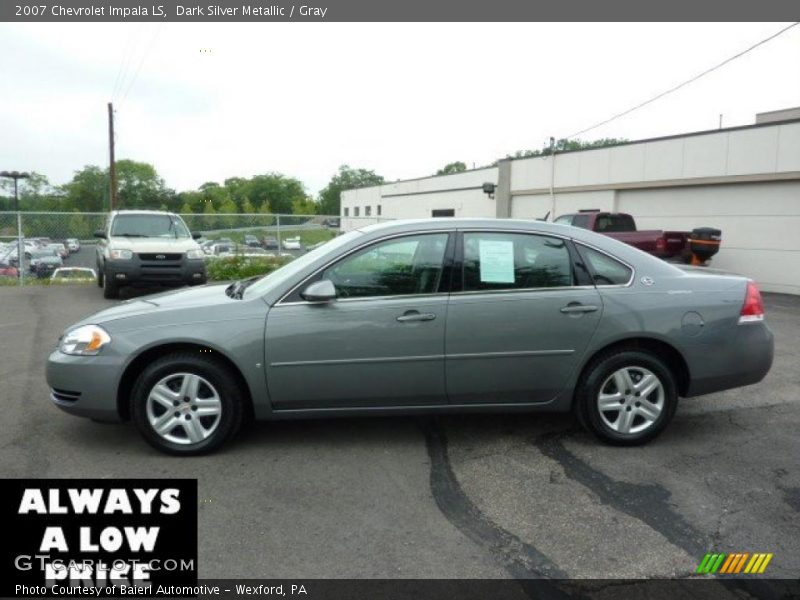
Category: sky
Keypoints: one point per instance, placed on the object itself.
(207, 101)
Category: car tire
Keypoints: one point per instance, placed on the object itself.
(110, 289)
(639, 411)
(185, 432)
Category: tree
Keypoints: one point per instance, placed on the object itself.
(453, 167)
(247, 207)
(139, 185)
(304, 206)
(87, 191)
(228, 206)
(280, 191)
(346, 178)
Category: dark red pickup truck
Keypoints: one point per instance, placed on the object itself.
(695, 246)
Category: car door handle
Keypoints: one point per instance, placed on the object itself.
(413, 315)
(578, 308)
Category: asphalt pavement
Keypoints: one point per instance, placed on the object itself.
(449, 497)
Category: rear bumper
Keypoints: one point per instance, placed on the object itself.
(135, 271)
(744, 361)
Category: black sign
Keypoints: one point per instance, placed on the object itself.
(93, 537)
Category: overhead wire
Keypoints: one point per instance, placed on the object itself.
(686, 82)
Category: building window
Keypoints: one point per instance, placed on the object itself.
(443, 212)
(346, 211)
(367, 211)
(379, 210)
(355, 211)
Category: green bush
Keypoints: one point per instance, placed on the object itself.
(241, 267)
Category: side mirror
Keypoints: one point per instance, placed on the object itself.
(99, 233)
(196, 235)
(319, 291)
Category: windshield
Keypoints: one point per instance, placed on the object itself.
(162, 226)
(265, 283)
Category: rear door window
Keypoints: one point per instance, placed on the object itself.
(508, 261)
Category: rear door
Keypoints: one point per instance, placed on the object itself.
(520, 321)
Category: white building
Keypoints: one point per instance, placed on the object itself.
(743, 180)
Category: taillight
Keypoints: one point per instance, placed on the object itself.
(753, 308)
(661, 244)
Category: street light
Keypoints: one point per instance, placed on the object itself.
(16, 176)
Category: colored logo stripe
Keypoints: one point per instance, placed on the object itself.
(734, 563)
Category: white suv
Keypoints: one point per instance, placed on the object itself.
(146, 247)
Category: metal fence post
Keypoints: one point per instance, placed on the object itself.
(278, 221)
(20, 250)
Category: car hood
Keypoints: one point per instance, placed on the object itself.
(192, 302)
(152, 244)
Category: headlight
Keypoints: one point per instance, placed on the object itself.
(84, 341)
(196, 253)
(120, 254)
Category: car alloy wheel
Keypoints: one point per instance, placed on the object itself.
(184, 408)
(190, 384)
(626, 396)
(631, 400)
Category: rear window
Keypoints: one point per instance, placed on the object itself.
(614, 223)
(606, 270)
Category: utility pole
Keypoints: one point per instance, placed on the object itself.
(112, 170)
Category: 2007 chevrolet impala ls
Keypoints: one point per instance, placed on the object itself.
(414, 317)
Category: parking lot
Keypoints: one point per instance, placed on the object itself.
(466, 496)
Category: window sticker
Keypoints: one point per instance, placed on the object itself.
(497, 261)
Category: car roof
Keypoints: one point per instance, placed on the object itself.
(141, 212)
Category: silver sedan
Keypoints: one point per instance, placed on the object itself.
(433, 316)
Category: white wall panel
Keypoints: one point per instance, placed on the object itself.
(705, 155)
(752, 151)
(789, 148)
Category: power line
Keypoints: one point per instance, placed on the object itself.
(141, 62)
(122, 72)
(685, 83)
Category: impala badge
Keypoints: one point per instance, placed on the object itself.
(647, 280)
(160, 256)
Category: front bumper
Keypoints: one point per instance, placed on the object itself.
(85, 386)
(136, 271)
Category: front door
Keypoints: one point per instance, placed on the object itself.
(519, 326)
(379, 343)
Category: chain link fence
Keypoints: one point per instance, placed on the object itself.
(53, 240)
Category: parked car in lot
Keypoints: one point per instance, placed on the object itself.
(146, 247)
(43, 261)
(73, 275)
(7, 270)
(252, 241)
(57, 248)
(73, 244)
(697, 246)
(270, 243)
(421, 317)
(246, 252)
(292, 243)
